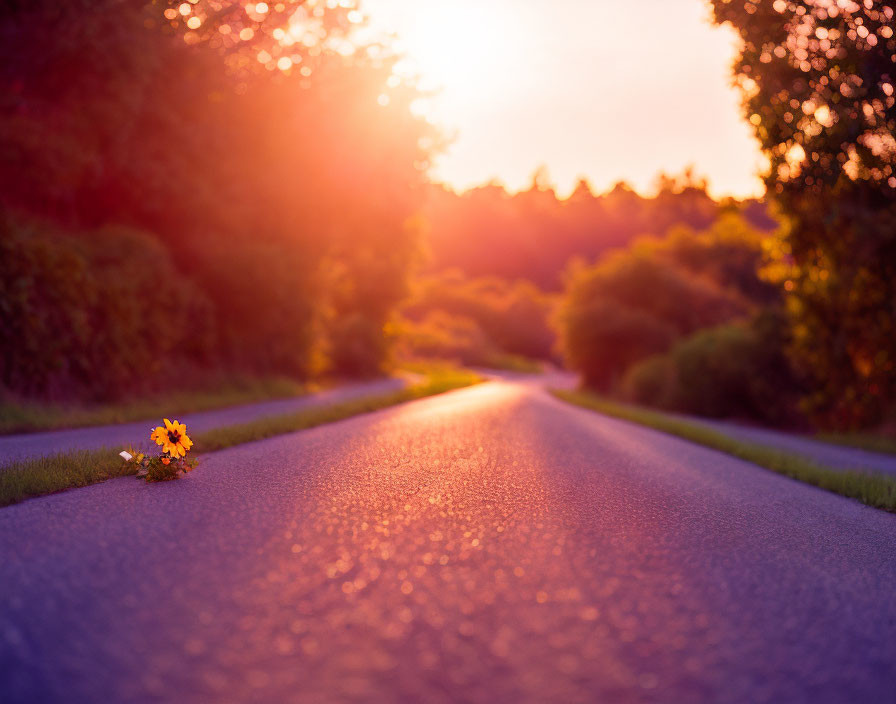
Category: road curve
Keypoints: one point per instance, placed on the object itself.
(488, 545)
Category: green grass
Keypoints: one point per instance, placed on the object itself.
(863, 441)
(26, 478)
(874, 490)
(18, 417)
(34, 477)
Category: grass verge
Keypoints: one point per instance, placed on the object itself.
(874, 490)
(34, 477)
(18, 417)
(873, 443)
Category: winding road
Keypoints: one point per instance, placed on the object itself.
(488, 545)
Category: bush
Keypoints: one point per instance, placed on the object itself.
(604, 338)
(358, 346)
(440, 335)
(263, 296)
(731, 371)
(633, 305)
(651, 382)
(491, 317)
(638, 301)
(92, 316)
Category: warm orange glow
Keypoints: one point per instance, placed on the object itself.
(604, 89)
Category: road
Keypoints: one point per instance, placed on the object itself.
(28, 445)
(488, 545)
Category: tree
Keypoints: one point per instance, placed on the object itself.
(283, 35)
(281, 197)
(818, 80)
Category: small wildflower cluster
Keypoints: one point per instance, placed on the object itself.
(175, 443)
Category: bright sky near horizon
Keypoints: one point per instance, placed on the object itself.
(606, 89)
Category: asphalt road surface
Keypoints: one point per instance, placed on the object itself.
(487, 545)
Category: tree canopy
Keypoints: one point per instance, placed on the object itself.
(275, 205)
(818, 79)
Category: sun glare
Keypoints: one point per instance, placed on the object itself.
(593, 88)
(464, 51)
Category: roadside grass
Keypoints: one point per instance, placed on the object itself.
(24, 479)
(862, 441)
(18, 417)
(876, 490)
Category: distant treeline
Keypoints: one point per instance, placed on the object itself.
(686, 322)
(534, 234)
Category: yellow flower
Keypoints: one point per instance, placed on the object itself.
(173, 438)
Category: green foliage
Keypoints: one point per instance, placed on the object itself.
(254, 246)
(222, 22)
(487, 322)
(876, 490)
(357, 346)
(637, 302)
(818, 86)
(652, 382)
(264, 297)
(735, 370)
(603, 338)
(439, 335)
(534, 234)
(89, 316)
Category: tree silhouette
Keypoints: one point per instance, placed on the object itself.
(818, 80)
(280, 35)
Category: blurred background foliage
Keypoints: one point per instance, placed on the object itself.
(650, 298)
(187, 195)
(166, 209)
(485, 321)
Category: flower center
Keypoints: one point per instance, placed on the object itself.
(173, 437)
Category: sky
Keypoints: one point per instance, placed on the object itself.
(606, 89)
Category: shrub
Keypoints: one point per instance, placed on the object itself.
(91, 316)
(633, 305)
(440, 335)
(603, 339)
(358, 346)
(651, 382)
(491, 317)
(737, 371)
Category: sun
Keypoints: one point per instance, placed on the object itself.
(464, 50)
